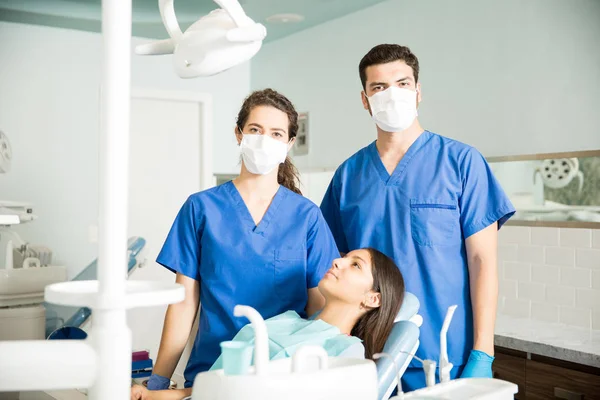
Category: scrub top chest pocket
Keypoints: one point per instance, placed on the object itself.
(435, 222)
(290, 274)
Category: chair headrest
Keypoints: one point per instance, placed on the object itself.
(410, 307)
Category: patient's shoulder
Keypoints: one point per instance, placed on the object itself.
(356, 350)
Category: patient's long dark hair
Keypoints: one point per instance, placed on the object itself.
(375, 326)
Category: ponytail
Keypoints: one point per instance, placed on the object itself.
(288, 176)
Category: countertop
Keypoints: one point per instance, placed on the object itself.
(562, 342)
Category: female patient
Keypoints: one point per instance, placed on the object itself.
(363, 293)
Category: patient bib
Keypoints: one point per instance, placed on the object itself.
(288, 332)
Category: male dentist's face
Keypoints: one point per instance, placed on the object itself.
(383, 76)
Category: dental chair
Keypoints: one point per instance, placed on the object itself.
(400, 349)
(400, 346)
(65, 322)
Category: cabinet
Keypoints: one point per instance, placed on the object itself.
(510, 366)
(545, 378)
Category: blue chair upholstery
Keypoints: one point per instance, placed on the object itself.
(403, 341)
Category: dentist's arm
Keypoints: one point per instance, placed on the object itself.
(482, 256)
(179, 320)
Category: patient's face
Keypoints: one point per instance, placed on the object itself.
(349, 278)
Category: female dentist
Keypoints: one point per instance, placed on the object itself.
(254, 241)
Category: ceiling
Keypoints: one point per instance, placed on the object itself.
(85, 14)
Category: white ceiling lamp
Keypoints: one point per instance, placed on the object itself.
(285, 18)
(216, 42)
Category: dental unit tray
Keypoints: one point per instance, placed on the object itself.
(59, 317)
(296, 378)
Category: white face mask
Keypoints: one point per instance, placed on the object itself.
(261, 153)
(394, 109)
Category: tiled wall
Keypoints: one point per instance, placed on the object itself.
(550, 274)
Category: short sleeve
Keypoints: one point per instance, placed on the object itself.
(483, 200)
(330, 207)
(181, 251)
(321, 250)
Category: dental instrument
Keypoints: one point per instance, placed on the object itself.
(458, 389)
(445, 364)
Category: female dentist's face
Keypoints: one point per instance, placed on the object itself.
(350, 279)
(266, 120)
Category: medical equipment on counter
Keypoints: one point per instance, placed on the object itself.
(23, 276)
(14, 213)
(216, 42)
(22, 316)
(291, 378)
(558, 173)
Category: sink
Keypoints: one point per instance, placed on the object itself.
(21, 284)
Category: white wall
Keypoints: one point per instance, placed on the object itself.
(509, 77)
(550, 274)
(49, 82)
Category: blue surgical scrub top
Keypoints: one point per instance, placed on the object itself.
(269, 266)
(441, 192)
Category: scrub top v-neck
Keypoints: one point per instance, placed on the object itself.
(269, 266)
(402, 166)
(244, 212)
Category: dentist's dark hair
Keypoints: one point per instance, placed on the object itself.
(375, 325)
(287, 175)
(387, 53)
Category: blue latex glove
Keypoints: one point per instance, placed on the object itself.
(157, 382)
(479, 365)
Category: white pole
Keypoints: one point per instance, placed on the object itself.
(114, 145)
(110, 334)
